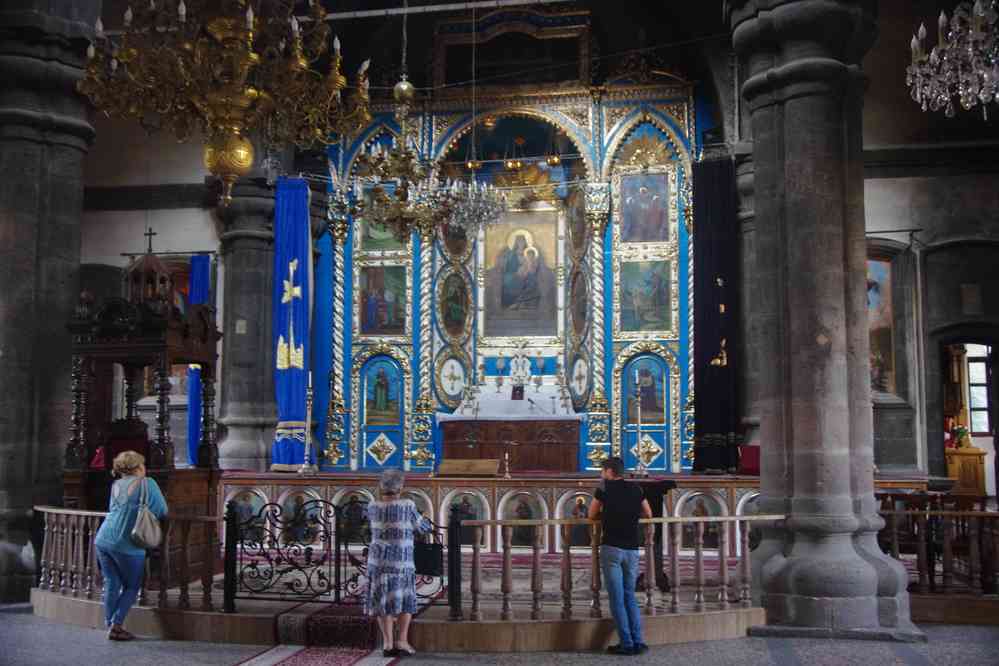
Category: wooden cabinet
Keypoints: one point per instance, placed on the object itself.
(550, 446)
(967, 467)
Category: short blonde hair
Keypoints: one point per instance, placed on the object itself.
(127, 462)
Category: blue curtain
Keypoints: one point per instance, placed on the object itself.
(200, 286)
(292, 308)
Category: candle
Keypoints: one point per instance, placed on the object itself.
(249, 18)
(636, 376)
(336, 45)
(310, 378)
(942, 29)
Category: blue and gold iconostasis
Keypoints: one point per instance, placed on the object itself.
(599, 296)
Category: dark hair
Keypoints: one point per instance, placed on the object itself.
(614, 464)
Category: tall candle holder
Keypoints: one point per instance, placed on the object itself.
(640, 468)
(308, 467)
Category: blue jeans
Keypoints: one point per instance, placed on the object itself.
(620, 569)
(122, 580)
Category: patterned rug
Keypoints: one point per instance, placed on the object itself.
(342, 627)
(326, 657)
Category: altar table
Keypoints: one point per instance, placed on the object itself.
(534, 444)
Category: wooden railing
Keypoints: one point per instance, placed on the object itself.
(726, 592)
(954, 551)
(69, 559)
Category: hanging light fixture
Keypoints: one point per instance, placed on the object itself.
(963, 67)
(226, 69)
(406, 194)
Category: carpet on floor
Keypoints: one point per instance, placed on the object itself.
(342, 627)
(313, 656)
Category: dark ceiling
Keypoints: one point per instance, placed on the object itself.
(617, 26)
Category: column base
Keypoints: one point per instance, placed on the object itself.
(910, 635)
(247, 444)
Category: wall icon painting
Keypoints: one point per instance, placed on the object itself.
(383, 300)
(645, 208)
(520, 292)
(645, 296)
(382, 385)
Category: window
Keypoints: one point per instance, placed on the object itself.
(978, 389)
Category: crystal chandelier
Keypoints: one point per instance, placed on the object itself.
(964, 65)
(227, 68)
(403, 193)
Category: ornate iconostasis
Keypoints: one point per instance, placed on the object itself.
(588, 274)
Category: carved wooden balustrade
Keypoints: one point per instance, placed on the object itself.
(953, 551)
(189, 554)
(722, 591)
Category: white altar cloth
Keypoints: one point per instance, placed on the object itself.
(493, 406)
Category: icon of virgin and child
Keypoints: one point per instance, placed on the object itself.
(520, 288)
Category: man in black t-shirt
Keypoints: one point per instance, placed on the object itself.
(619, 504)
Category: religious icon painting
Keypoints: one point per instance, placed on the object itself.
(301, 518)
(382, 392)
(456, 242)
(645, 296)
(701, 506)
(576, 224)
(880, 324)
(354, 526)
(579, 305)
(646, 388)
(645, 208)
(451, 376)
(522, 506)
(521, 261)
(577, 507)
(468, 506)
(375, 237)
(382, 292)
(454, 304)
(248, 506)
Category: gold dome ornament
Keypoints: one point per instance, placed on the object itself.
(230, 157)
(227, 70)
(404, 92)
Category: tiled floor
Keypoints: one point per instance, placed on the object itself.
(27, 640)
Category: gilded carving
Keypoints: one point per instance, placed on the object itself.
(370, 351)
(649, 347)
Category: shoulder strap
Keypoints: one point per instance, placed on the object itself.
(144, 493)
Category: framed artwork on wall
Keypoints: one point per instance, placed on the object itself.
(521, 260)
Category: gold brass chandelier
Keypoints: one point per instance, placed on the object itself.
(227, 69)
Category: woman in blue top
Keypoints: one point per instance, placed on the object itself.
(391, 572)
(122, 562)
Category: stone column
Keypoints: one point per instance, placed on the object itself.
(822, 573)
(44, 135)
(750, 333)
(247, 410)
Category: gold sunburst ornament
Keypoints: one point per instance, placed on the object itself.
(226, 69)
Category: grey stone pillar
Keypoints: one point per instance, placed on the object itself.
(44, 134)
(822, 573)
(247, 410)
(750, 333)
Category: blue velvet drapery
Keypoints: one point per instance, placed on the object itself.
(292, 310)
(199, 290)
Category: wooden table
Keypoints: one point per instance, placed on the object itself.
(550, 445)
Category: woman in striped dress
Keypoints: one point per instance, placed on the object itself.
(391, 572)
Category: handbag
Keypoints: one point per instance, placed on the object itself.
(428, 559)
(146, 533)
